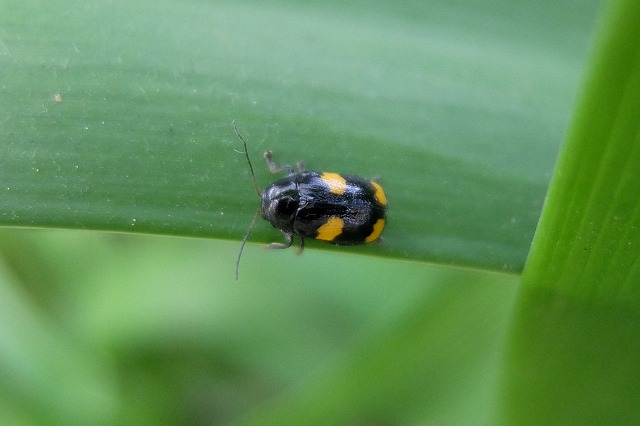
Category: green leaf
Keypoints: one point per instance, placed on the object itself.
(117, 116)
(460, 108)
(575, 343)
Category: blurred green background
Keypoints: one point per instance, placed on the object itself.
(154, 330)
(116, 116)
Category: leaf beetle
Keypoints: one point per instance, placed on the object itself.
(331, 207)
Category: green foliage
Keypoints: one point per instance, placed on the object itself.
(117, 116)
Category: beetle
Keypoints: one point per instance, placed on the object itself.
(331, 207)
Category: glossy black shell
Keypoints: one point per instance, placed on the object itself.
(301, 203)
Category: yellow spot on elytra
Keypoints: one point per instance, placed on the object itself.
(336, 183)
(330, 230)
(382, 199)
(377, 230)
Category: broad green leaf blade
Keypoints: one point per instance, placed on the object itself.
(575, 349)
(117, 115)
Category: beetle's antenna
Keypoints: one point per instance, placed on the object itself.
(244, 241)
(246, 153)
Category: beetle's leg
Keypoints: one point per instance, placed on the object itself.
(275, 168)
(288, 238)
(301, 248)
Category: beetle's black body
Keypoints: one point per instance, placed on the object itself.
(305, 203)
(338, 209)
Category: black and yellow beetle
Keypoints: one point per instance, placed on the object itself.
(338, 209)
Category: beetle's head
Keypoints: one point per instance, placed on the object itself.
(279, 204)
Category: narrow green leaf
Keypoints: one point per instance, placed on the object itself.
(575, 349)
(587, 240)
